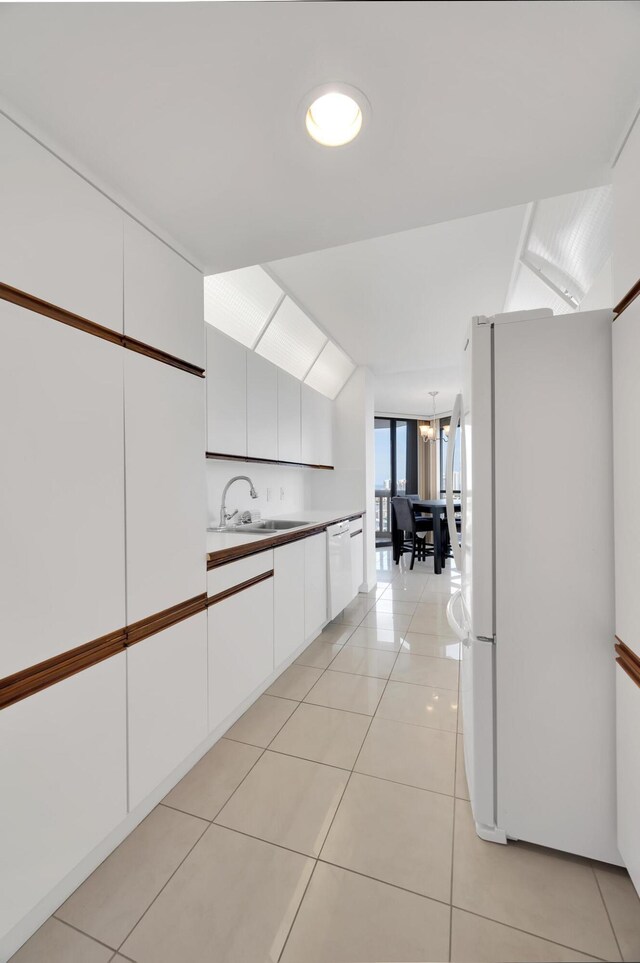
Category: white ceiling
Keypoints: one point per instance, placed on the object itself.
(189, 111)
(401, 304)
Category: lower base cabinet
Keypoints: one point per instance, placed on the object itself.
(357, 562)
(240, 632)
(288, 595)
(167, 697)
(64, 781)
(315, 584)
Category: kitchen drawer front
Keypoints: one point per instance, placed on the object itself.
(235, 573)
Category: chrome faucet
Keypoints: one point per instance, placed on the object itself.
(224, 517)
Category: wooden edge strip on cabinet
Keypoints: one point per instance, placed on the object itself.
(625, 652)
(240, 587)
(266, 461)
(163, 620)
(630, 296)
(163, 356)
(37, 677)
(632, 671)
(224, 556)
(38, 306)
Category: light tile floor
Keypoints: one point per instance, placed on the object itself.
(332, 825)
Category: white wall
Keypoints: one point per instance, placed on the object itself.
(626, 216)
(272, 477)
(351, 484)
(600, 294)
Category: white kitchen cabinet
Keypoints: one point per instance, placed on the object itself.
(165, 486)
(167, 702)
(226, 394)
(317, 427)
(315, 584)
(626, 210)
(163, 296)
(289, 599)
(262, 408)
(64, 789)
(62, 513)
(61, 239)
(357, 562)
(240, 632)
(288, 417)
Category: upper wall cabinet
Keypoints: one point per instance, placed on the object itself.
(62, 510)
(262, 408)
(61, 239)
(165, 486)
(163, 296)
(317, 427)
(226, 394)
(626, 212)
(288, 417)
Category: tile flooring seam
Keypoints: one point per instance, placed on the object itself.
(606, 909)
(82, 932)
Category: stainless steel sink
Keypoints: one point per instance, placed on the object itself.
(271, 525)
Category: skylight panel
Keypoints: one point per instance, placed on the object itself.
(291, 340)
(240, 302)
(331, 371)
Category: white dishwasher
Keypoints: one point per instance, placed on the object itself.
(339, 565)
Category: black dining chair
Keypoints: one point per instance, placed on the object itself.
(407, 531)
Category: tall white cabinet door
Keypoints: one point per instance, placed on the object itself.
(64, 781)
(289, 428)
(165, 493)
(262, 408)
(288, 596)
(163, 296)
(62, 482)
(226, 394)
(167, 702)
(315, 584)
(628, 759)
(317, 427)
(240, 632)
(61, 240)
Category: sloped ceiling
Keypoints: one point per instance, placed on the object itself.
(191, 110)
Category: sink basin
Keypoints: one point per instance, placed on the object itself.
(271, 525)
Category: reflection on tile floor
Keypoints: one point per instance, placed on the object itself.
(332, 825)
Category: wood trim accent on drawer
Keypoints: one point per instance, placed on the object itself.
(27, 682)
(38, 306)
(221, 596)
(266, 461)
(630, 296)
(163, 620)
(628, 660)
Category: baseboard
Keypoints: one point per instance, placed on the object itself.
(11, 942)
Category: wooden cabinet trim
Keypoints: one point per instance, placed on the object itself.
(38, 306)
(628, 660)
(266, 461)
(240, 587)
(33, 679)
(630, 296)
(28, 681)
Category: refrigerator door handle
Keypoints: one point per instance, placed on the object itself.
(451, 517)
(460, 631)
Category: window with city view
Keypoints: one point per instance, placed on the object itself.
(396, 467)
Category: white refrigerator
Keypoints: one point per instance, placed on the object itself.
(535, 613)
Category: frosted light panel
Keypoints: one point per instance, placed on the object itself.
(331, 371)
(240, 302)
(530, 292)
(292, 341)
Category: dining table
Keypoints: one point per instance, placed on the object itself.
(437, 508)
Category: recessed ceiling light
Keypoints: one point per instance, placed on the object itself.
(334, 114)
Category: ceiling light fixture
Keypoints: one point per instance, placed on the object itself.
(334, 114)
(428, 432)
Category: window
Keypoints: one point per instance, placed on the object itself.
(396, 451)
